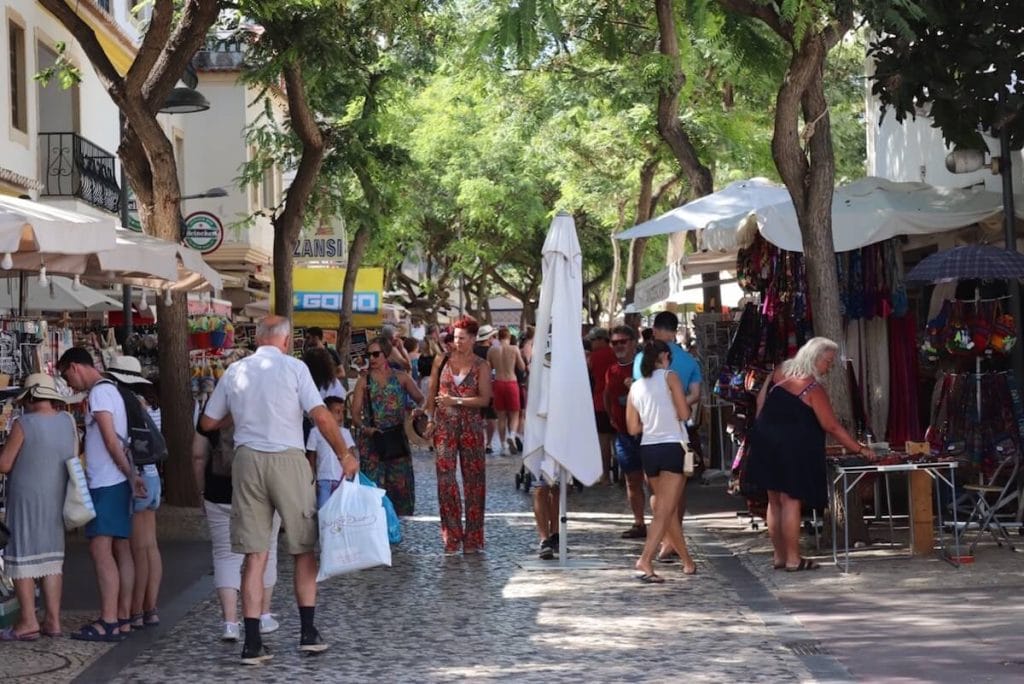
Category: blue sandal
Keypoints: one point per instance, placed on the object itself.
(91, 632)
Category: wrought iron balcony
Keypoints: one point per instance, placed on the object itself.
(220, 54)
(74, 167)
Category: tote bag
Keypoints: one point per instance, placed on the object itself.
(353, 531)
(78, 507)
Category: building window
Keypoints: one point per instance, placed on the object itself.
(269, 196)
(19, 101)
(104, 5)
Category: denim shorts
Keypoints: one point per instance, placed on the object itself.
(324, 489)
(113, 512)
(151, 501)
(627, 452)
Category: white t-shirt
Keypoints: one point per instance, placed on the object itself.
(328, 467)
(266, 395)
(100, 469)
(335, 390)
(653, 401)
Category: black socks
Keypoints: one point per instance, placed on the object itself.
(306, 618)
(252, 631)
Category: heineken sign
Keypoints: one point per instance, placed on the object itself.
(203, 231)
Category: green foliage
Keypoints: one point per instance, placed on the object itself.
(63, 69)
(958, 58)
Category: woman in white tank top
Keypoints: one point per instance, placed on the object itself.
(656, 410)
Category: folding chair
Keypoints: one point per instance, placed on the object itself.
(994, 509)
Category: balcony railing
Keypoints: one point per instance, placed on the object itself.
(74, 167)
(220, 54)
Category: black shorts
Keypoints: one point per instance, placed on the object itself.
(658, 458)
(604, 423)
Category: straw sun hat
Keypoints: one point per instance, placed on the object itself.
(42, 386)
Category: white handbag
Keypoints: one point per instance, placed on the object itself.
(78, 506)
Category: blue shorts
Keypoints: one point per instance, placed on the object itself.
(151, 501)
(627, 452)
(324, 489)
(113, 512)
(659, 458)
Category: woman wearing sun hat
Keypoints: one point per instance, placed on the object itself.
(149, 568)
(41, 440)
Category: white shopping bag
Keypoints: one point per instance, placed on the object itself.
(353, 531)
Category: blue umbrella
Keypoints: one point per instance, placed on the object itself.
(981, 262)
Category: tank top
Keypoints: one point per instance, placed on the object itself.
(653, 401)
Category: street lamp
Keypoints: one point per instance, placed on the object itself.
(966, 161)
(179, 101)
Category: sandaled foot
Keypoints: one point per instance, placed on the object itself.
(690, 569)
(150, 618)
(137, 622)
(10, 635)
(124, 625)
(779, 566)
(99, 631)
(649, 578)
(805, 564)
(667, 556)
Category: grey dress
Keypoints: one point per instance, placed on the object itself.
(35, 496)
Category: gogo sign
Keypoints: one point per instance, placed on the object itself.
(203, 231)
(362, 302)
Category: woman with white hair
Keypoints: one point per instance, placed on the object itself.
(787, 456)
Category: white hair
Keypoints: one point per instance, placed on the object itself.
(805, 363)
(270, 328)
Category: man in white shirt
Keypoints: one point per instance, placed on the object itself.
(265, 396)
(112, 482)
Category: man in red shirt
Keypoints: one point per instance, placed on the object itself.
(601, 359)
(618, 378)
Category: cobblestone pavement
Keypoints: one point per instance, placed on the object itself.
(433, 618)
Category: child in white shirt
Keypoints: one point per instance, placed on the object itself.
(321, 456)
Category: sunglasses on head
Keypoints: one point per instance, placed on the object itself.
(375, 354)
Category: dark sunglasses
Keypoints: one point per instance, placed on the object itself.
(375, 354)
(619, 343)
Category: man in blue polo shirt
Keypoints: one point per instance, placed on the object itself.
(686, 367)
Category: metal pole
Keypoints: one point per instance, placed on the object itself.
(1010, 233)
(126, 290)
(563, 518)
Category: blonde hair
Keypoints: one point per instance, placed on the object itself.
(805, 363)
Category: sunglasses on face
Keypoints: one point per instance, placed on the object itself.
(375, 354)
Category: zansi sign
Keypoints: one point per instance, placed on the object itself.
(362, 302)
(203, 231)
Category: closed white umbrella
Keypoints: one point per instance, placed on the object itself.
(561, 433)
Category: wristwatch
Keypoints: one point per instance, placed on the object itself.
(458, 401)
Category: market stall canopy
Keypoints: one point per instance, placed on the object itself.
(59, 295)
(863, 212)
(142, 260)
(29, 229)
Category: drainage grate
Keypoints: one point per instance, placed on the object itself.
(806, 648)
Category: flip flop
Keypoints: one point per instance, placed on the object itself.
(805, 564)
(651, 578)
(778, 566)
(10, 635)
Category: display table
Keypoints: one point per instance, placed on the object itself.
(847, 477)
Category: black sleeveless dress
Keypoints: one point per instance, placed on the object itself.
(788, 448)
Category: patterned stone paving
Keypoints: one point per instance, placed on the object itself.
(432, 618)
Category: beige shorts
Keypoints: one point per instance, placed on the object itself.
(264, 482)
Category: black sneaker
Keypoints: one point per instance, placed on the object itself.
(255, 654)
(547, 552)
(312, 642)
(635, 532)
(519, 444)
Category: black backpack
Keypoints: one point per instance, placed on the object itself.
(145, 442)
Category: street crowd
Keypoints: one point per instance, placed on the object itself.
(273, 441)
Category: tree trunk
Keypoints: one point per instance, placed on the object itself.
(356, 251)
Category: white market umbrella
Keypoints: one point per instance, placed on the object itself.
(60, 294)
(561, 433)
(32, 229)
(864, 212)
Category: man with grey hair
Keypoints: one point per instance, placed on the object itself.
(265, 396)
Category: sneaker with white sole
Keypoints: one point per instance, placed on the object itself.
(255, 654)
(268, 624)
(230, 632)
(311, 642)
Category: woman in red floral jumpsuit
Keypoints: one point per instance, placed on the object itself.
(460, 385)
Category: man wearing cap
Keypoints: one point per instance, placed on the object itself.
(484, 340)
(601, 358)
(685, 366)
(265, 395)
(112, 483)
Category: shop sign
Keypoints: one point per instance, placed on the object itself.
(203, 231)
(328, 244)
(317, 294)
(652, 290)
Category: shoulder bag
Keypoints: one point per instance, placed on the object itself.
(78, 506)
(388, 443)
(689, 461)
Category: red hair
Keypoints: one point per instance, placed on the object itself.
(467, 323)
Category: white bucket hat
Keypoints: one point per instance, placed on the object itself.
(128, 370)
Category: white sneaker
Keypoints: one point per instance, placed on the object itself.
(268, 624)
(230, 632)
